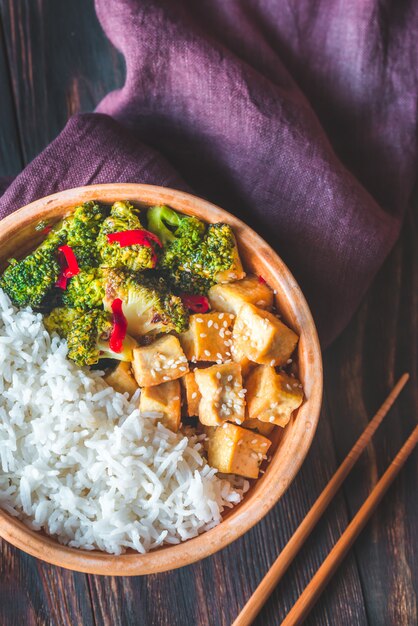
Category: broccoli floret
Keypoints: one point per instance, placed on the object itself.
(81, 229)
(191, 249)
(87, 334)
(171, 226)
(61, 320)
(85, 290)
(185, 282)
(218, 258)
(148, 305)
(28, 281)
(123, 216)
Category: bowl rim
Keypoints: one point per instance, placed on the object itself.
(247, 513)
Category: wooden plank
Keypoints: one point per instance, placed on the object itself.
(34, 593)
(61, 63)
(379, 345)
(10, 154)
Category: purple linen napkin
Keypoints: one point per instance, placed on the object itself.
(301, 118)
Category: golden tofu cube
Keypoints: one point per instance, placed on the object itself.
(159, 362)
(192, 394)
(209, 337)
(230, 297)
(164, 399)
(264, 428)
(223, 398)
(262, 337)
(272, 397)
(235, 450)
(122, 379)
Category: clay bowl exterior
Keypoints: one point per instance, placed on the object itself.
(18, 237)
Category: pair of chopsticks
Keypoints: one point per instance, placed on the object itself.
(318, 583)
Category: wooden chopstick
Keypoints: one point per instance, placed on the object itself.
(283, 561)
(318, 583)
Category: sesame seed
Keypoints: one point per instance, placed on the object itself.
(289, 360)
(239, 442)
(230, 377)
(218, 375)
(216, 325)
(219, 355)
(221, 316)
(272, 362)
(227, 353)
(206, 352)
(275, 292)
(222, 333)
(253, 441)
(199, 319)
(194, 395)
(166, 378)
(225, 426)
(228, 333)
(176, 398)
(219, 362)
(203, 335)
(153, 373)
(254, 455)
(264, 444)
(210, 323)
(183, 369)
(238, 421)
(231, 316)
(225, 324)
(224, 407)
(288, 386)
(163, 357)
(271, 418)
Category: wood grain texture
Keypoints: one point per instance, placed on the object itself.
(11, 161)
(378, 583)
(60, 63)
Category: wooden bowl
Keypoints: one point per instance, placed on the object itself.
(18, 237)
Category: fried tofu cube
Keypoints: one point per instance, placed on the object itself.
(159, 362)
(209, 337)
(264, 428)
(230, 297)
(262, 337)
(272, 397)
(193, 396)
(235, 450)
(164, 399)
(122, 379)
(223, 398)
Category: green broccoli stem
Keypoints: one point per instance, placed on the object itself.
(159, 218)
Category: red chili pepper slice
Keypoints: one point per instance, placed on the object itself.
(141, 237)
(71, 269)
(120, 326)
(62, 281)
(262, 280)
(46, 230)
(197, 304)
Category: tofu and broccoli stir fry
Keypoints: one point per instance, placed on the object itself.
(160, 301)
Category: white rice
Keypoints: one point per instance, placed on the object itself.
(79, 461)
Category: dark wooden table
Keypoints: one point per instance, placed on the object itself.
(55, 61)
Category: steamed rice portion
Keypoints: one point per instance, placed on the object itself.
(79, 461)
